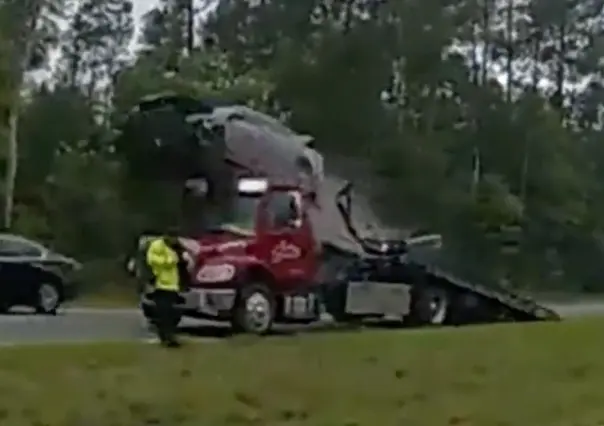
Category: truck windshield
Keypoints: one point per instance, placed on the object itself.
(241, 216)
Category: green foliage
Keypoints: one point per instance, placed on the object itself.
(204, 74)
(405, 90)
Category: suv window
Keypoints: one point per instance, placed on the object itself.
(17, 246)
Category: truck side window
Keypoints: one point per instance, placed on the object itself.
(283, 210)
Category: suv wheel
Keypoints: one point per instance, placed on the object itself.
(48, 299)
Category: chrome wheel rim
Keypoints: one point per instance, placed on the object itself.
(48, 297)
(258, 312)
(438, 307)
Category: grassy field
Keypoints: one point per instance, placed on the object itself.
(109, 299)
(515, 375)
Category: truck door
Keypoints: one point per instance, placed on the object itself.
(289, 246)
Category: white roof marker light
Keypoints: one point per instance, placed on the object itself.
(252, 185)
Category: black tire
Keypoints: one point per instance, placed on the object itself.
(4, 308)
(48, 298)
(429, 306)
(260, 321)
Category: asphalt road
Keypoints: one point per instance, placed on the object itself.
(578, 309)
(88, 324)
(94, 325)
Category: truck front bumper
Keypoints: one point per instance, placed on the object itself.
(216, 303)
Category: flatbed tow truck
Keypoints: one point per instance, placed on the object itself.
(259, 260)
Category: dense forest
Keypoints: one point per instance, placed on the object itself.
(479, 119)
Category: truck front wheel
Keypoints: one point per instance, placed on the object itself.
(254, 310)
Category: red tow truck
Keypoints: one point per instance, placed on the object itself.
(260, 258)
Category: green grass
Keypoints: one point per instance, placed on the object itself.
(104, 300)
(112, 296)
(514, 375)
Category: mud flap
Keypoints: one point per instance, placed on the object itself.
(333, 297)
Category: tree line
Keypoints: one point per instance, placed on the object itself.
(477, 119)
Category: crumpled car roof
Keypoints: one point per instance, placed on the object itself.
(261, 143)
(254, 141)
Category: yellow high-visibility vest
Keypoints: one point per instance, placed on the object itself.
(163, 262)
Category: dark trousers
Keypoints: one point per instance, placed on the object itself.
(166, 315)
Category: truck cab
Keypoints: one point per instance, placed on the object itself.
(256, 260)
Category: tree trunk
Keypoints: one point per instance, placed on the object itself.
(486, 35)
(11, 168)
(190, 27)
(26, 40)
(509, 69)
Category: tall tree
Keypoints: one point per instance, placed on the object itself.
(32, 26)
(95, 48)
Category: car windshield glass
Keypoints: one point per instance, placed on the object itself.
(241, 215)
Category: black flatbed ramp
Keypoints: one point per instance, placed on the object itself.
(522, 308)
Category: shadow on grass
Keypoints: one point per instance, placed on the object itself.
(221, 331)
(206, 331)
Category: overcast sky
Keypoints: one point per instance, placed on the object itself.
(143, 6)
(140, 8)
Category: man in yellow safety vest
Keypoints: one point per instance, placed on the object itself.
(164, 257)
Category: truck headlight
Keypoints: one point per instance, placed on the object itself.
(216, 273)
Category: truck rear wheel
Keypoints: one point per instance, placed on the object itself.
(429, 306)
(254, 310)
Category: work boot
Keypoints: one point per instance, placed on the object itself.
(172, 344)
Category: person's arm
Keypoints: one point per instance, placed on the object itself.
(188, 259)
(158, 256)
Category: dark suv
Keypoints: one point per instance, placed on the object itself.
(33, 275)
